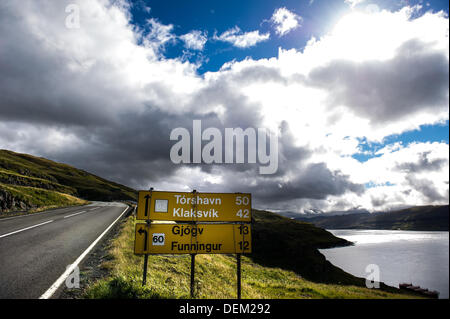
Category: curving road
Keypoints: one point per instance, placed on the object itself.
(36, 249)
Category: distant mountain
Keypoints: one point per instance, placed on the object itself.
(317, 213)
(29, 182)
(432, 218)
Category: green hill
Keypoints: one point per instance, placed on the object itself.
(425, 218)
(34, 183)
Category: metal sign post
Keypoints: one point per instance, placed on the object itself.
(146, 233)
(192, 274)
(238, 270)
(144, 276)
(193, 229)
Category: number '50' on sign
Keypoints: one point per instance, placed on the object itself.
(242, 201)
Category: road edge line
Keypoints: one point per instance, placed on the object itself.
(50, 291)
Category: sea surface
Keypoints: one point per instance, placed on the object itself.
(417, 257)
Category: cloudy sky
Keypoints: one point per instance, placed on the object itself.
(356, 91)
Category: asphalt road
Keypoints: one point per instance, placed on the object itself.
(36, 249)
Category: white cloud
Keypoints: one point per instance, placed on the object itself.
(242, 39)
(160, 34)
(194, 40)
(418, 173)
(285, 21)
(354, 3)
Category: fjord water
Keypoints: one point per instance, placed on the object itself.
(418, 257)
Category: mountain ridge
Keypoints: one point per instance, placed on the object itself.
(421, 218)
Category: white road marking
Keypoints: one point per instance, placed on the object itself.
(108, 204)
(23, 229)
(50, 291)
(34, 214)
(75, 214)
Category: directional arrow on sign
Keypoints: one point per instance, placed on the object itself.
(147, 197)
(141, 231)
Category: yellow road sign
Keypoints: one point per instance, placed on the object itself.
(192, 239)
(202, 207)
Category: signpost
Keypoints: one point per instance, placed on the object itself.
(200, 223)
(210, 207)
(192, 239)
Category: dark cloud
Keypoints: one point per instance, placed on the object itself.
(426, 187)
(416, 79)
(255, 74)
(38, 86)
(423, 164)
(379, 201)
(314, 181)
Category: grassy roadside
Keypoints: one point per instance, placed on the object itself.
(168, 277)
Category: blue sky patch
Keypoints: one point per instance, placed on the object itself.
(426, 133)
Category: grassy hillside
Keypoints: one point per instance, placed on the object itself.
(425, 218)
(29, 182)
(23, 198)
(266, 273)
